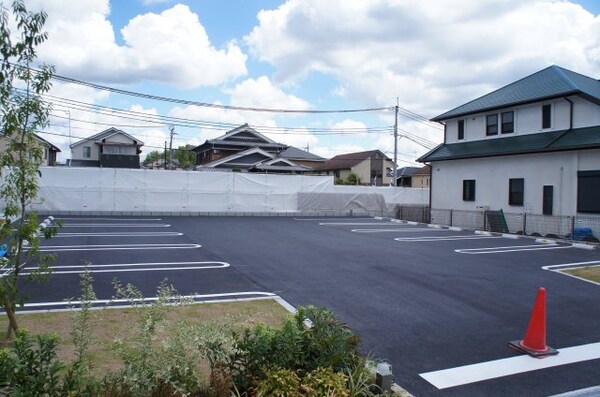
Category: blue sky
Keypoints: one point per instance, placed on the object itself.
(301, 54)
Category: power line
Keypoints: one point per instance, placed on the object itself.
(211, 105)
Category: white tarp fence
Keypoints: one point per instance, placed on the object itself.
(126, 190)
(117, 190)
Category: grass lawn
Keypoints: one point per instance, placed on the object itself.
(109, 324)
(591, 273)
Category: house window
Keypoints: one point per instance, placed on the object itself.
(588, 191)
(546, 116)
(491, 124)
(87, 152)
(508, 125)
(516, 188)
(45, 153)
(461, 129)
(469, 190)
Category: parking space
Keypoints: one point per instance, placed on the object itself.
(417, 295)
(140, 251)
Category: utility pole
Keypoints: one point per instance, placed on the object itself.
(396, 142)
(172, 129)
(165, 155)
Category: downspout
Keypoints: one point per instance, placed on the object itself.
(570, 112)
(430, 188)
(560, 196)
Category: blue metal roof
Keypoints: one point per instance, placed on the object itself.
(577, 139)
(552, 82)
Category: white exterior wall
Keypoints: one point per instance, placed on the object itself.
(119, 138)
(528, 120)
(492, 175)
(77, 151)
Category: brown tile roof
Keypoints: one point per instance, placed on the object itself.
(347, 161)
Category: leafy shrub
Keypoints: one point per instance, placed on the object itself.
(279, 382)
(324, 382)
(30, 367)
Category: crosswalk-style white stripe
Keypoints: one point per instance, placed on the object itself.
(509, 366)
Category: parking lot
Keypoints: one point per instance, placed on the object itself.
(425, 298)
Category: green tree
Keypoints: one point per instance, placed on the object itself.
(151, 157)
(353, 179)
(23, 112)
(185, 156)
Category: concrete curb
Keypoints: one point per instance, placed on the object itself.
(583, 246)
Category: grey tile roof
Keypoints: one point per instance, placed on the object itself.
(552, 82)
(293, 153)
(577, 139)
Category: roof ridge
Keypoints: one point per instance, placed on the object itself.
(561, 72)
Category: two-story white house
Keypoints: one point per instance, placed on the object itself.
(110, 148)
(532, 146)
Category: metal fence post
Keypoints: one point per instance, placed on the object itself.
(484, 220)
(573, 227)
(524, 223)
(450, 217)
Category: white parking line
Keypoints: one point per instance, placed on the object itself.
(124, 303)
(398, 230)
(131, 267)
(509, 366)
(514, 248)
(108, 247)
(327, 219)
(115, 234)
(569, 266)
(443, 238)
(117, 225)
(387, 223)
(110, 219)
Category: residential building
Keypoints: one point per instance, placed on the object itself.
(417, 177)
(372, 167)
(111, 148)
(246, 150)
(532, 146)
(49, 150)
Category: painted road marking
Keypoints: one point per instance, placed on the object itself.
(568, 266)
(328, 219)
(387, 223)
(131, 267)
(111, 219)
(443, 238)
(398, 230)
(117, 225)
(514, 248)
(128, 234)
(124, 303)
(108, 247)
(509, 366)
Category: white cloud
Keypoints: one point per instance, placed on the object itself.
(261, 92)
(328, 152)
(432, 55)
(170, 47)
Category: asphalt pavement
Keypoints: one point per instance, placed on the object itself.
(423, 299)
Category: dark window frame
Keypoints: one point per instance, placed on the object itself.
(508, 127)
(87, 152)
(546, 116)
(469, 189)
(588, 192)
(516, 191)
(491, 124)
(461, 129)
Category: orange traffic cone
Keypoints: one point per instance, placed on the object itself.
(534, 342)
